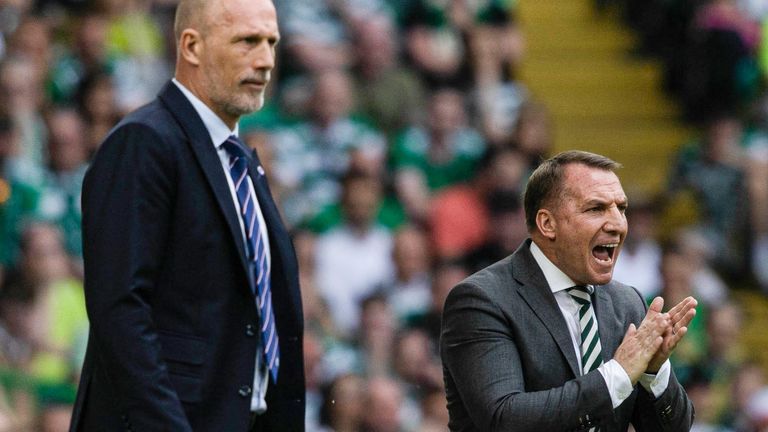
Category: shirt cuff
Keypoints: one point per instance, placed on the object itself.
(657, 383)
(618, 382)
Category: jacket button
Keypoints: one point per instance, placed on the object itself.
(245, 391)
(249, 330)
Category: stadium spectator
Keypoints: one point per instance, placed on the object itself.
(713, 170)
(313, 356)
(383, 403)
(506, 230)
(21, 99)
(32, 40)
(317, 37)
(50, 300)
(355, 258)
(389, 94)
(416, 364)
(441, 35)
(460, 215)
(67, 162)
(533, 134)
(18, 199)
(376, 337)
(343, 404)
(757, 411)
(445, 276)
(135, 40)
(445, 151)
(96, 102)
(434, 413)
(677, 273)
(747, 382)
(312, 156)
(408, 291)
(87, 55)
(757, 183)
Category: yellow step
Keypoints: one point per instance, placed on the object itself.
(601, 99)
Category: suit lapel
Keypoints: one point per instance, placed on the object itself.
(275, 228)
(283, 258)
(610, 329)
(266, 203)
(200, 141)
(535, 291)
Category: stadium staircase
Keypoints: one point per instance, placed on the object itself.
(605, 100)
(602, 98)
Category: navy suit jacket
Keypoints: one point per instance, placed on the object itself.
(174, 326)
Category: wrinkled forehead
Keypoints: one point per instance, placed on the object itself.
(582, 181)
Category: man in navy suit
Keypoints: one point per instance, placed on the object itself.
(191, 279)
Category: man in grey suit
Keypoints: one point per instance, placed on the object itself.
(544, 341)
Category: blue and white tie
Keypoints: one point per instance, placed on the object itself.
(257, 256)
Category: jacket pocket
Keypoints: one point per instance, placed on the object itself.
(183, 356)
(188, 388)
(183, 349)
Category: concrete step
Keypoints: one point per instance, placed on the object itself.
(578, 63)
(605, 105)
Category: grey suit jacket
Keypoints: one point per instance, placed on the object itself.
(509, 362)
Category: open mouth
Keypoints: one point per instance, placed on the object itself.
(605, 252)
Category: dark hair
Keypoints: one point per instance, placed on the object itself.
(546, 182)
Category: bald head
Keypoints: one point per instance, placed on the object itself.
(226, 52)
(189, 14)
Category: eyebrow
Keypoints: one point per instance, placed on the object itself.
(599, 202)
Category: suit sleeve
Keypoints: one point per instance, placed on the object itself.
(127, 211)
(482, 358)
(670, 412)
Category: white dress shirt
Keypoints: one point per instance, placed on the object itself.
(219, 133)
(616, 378)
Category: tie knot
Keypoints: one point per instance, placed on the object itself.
(235, 147)
(581, 292)
(583, 288)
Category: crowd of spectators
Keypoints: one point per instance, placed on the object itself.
(715, 57)
(397, 140)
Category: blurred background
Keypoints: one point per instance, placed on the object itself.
(398, 138)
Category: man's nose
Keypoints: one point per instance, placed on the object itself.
(616, 221)
(265, 57)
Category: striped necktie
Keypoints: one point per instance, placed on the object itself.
(591, 356)
(257, 256)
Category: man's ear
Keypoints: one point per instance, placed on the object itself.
(546, 224)
(191, 46)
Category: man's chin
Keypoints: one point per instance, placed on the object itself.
(240, 110)
(602, 278)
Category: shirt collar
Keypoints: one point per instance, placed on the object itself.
(218, 130)
(557, 280)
